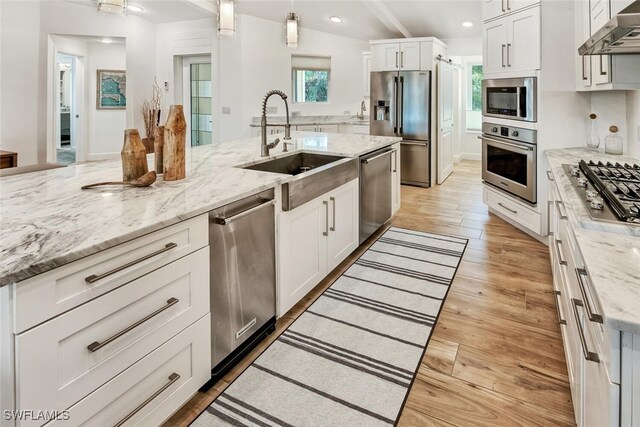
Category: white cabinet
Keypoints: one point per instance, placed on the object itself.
(314, 238)
(327, 128)
(396, 197)
(395, 56)
(366, 74)
(492, 9)
(513, 42)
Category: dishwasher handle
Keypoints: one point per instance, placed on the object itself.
(229, 220)
(370, 159)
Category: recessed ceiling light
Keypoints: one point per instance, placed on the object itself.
(467, 24)
(106, 40)
(135, 8)
(335, 19)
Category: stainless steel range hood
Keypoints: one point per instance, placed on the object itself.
(621, 35)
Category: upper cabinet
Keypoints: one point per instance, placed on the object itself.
(512, 42)
(602, 72)
(366, 73)
(496, 8)
(409, 55)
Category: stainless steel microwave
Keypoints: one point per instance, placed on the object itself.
(514, 99)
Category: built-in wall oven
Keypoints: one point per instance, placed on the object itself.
(509, 160)
(514, 99)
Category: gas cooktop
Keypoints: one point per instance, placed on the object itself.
(610, 192)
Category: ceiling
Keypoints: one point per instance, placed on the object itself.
(376, 19)
(164, 11)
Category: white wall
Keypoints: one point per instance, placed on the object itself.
(106, 127)
(464, 46)
(24, 30)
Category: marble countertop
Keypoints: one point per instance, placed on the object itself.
(47, 221)
(611, 251)
(313, 120)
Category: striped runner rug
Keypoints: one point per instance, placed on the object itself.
(351, 357)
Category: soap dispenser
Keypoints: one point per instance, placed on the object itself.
(613, 142)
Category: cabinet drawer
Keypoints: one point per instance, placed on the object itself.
(63, 360)
(512, 209)
(153, 381)
(50, 294)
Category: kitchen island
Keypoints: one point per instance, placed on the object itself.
(104, 293)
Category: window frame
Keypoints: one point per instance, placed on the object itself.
(470, 66)
(294, 79)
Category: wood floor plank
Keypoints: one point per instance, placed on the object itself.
(495, 356)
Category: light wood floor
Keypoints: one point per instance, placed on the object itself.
(495, 356)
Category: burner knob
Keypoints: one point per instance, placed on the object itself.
(515, 133)
(574, 171)
(583, 182)
(494, 129)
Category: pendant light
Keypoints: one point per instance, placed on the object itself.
(227, 18)
(292, 30)
(113, 6)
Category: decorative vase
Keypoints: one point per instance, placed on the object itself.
(158, 148)
(593, 139)
(134, 156)
(613, 141)
(175, 136)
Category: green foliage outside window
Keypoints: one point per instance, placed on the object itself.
(316, 86)
(476, 87)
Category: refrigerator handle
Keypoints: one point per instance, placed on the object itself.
(401, 106)
(395, 99)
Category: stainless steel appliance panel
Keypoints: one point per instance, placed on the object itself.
(375, 191)
(242, 271)
(416, 164)
(383, 111)
(508, 163)
(414, 105)
(514, 99)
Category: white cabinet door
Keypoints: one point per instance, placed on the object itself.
(514, 5)
(492, 9)
(600, 14)
(395, 179)
(343, 223)
(366, 74)
(307, 128)
(523, 47)
(385, 57)
(328, 128)
(410, 56)
(303, 251)
(495, 47)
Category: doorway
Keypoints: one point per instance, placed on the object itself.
(197, 99)
(65, 112)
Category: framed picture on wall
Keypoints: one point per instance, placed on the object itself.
(111, 90)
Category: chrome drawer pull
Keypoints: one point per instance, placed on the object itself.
(594, 317)
(509, 209)
(326, 228)
(562, 216)
(561, 321)
(172, 379)
(94, 278)
(588, 355)
(333, 199)
(95, 346)
(550, 176)
(561, 259)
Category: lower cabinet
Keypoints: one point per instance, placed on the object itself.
(396, 197)
(314, 239)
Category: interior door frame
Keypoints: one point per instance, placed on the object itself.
(185, 85)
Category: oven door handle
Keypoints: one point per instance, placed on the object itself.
(510, 144)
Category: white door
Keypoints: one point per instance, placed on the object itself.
(492, 9)
(513, 5)
(495, 46)
(343, 223)
(523, 46)
(303, 251)
(410, 56)
(446, 113)
(385, 57)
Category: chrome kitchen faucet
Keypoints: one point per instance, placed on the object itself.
(265, 147)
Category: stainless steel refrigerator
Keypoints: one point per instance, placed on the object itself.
(401, 106)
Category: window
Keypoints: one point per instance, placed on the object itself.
(474, 97)
(310, 78)
(475, 88)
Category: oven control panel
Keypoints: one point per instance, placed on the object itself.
(510, 132)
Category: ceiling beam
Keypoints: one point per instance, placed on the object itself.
(382, 12)
(207, 5)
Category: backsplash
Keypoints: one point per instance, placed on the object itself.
(620, 108)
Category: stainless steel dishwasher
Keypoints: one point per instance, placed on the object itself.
(243, 278)
(375, 191)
